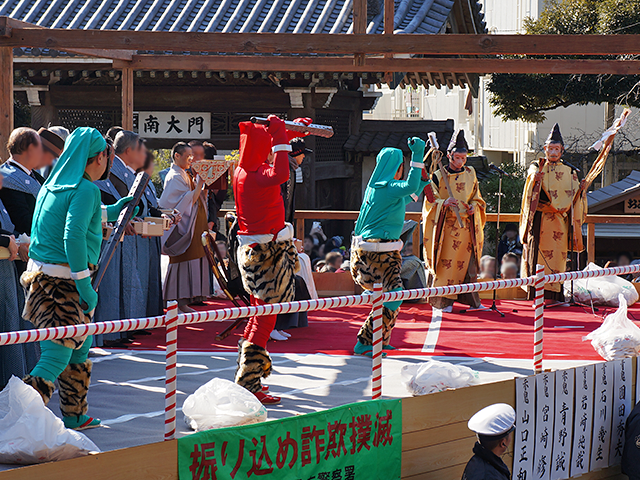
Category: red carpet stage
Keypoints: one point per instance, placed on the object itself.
(478, 334)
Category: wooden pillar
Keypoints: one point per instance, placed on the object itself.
(6, 99)
(127, 98)
(389, 11)
(591, 242)
(359, 25)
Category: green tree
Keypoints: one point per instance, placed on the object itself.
(528, 96)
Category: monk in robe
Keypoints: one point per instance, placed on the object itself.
(452, 253)
(187, 279)
(545, 217)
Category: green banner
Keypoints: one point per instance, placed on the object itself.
(353, 442)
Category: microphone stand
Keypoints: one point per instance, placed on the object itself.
(493, 307)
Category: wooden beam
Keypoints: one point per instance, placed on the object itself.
(379, 64)
(127, 98)
(359, 25)
(6, 99)
(441, 44)
(10, 23)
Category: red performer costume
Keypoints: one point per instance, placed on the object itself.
(267, 258)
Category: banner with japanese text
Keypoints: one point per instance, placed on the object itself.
(353, 442)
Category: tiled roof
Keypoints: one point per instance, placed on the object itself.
(278, 16)
(614, 193)
(376, 134)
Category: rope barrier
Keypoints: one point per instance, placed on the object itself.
(172, 319)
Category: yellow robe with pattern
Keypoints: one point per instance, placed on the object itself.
(447, 247)
(558, 189)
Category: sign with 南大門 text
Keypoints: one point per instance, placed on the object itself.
(353, 442)
(179, 125)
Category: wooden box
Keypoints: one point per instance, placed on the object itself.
(165, 222)
(330, 284)
(148, 229)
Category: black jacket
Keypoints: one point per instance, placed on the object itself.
(20, 206)
(485, 465)
(631, 451)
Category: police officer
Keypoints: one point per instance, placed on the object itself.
(631, 452)
(494, 426)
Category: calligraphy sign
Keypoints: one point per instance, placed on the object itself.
(180, 125)
(632, 205)
(584, 388)
(602, 414)
(563, 428)
(525, 427)
(622, 371)
(545, 396)
(353, 442)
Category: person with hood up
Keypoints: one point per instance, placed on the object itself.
(267, 257)
(376, 244)
(452, 253)
(65, 246)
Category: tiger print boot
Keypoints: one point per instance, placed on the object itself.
(74, 386)
(254, 363)
(44, 387)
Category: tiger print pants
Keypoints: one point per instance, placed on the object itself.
(53, 302)
(369, 268)
(267, 271)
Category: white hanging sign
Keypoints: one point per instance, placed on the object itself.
(622, 372)
(602, 415)
(179, 125)
(525, 427)
(563, 428)
(545, 386)
(584, 387)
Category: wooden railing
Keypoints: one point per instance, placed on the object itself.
(591, 222)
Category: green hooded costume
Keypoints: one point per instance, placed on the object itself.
(65, 243)
(380, 221)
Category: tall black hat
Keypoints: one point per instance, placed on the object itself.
(459, 144)
(555, 136)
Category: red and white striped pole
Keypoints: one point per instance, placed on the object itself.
(376, 354)
(539, 319)
(171, 379)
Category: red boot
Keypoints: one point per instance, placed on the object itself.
(267, 399)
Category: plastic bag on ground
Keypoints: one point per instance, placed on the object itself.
(617, 337)
(31, 433)
(601, 290)
(434, 376)
(220, 403)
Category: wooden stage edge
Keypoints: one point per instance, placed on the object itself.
(436, 444)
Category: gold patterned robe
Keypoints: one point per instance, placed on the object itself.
(549, 235)
(448, 248)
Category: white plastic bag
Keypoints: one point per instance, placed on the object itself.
(617, 337)
(221, 403)
(30, 432)
(434, 376)
(601, 290)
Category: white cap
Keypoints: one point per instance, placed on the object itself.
(494, 420)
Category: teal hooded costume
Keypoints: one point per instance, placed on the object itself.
(380, 221)
(385, 199)
(66, 231)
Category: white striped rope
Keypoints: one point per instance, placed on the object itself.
(25, 336)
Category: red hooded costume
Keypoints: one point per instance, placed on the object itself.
(256, 184)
